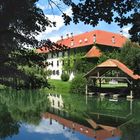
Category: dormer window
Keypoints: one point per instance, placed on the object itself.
(80, 41)
(94, 38)
(72, 43)
(86, 39)
(113, 39)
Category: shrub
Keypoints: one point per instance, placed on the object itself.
(64, 77)
(78, 84)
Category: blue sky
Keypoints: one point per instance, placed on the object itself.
(55, 33)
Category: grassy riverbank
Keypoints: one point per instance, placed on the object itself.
(58, 86)
(61, 87)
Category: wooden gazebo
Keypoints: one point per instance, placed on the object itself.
(112, 64)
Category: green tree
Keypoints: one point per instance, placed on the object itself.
(77, 63)
(78, 85)
(130, 55)
(109, 55)
(21, 21)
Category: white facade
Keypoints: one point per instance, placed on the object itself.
(56, 101)
(55, 64)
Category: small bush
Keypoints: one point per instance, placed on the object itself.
(78, 85)
(64, 77)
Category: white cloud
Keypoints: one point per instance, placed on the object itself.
(45, 127)
(43, 7)
(125, 31)
(68, 11)
(59, 24)
(54, 128)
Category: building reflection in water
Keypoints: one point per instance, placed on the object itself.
(99, 131)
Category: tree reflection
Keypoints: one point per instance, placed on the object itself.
(28, 107)
(8, 126)
(131, 131)
(23, 106)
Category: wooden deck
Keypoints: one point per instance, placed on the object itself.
(105, 127)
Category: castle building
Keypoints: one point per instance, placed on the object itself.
(91, 44)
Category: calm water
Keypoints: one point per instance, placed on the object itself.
(32, 115)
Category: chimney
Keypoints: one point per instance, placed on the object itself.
(67, 36)
(71, 34)
(113, 39)
(61, 37)
(121, 33)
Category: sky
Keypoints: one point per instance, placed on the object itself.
(55, 15)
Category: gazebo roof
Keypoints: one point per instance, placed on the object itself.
(93, 52)
(112, 64)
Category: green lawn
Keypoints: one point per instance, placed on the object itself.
(59, 87)
(114, 85)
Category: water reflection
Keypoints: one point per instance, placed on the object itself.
(35, 115)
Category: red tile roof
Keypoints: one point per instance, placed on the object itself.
(88, 38)
(102, 37)
(93, 52)
(100, 134)
(42, 50)
(113, 63)
(126, 70)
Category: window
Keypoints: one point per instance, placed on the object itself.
(52, 63)
(58, 104)
(46, 56)
(57, 53)
(74, 50)
(57, 62)
(63, 62)
(68, 52)
(53, 72)
(63, 53)
(51, 55)
(53, 102)
(57, 72)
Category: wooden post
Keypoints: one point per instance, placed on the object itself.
(100, 82)
(86, 93)
(98, 74)
(98, 116)
(86, 89)
(112, 132)
(50, 121)
(131, 106)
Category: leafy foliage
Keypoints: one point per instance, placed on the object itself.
(130, 55)
(109, 55)
(78, 85)
(93, 11)
(83, 65)
(8, 126)
(64, 76)
(23, 69)
(77, 63)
